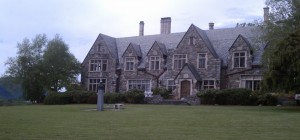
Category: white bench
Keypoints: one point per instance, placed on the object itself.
(118, 106)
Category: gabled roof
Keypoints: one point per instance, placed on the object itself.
(161, 46)
(218, 41)
(136, 48)
(206, 41)
(243, 38)
(192, 69)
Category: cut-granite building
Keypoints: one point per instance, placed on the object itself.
(184, 62)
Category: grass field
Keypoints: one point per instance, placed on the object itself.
(148, 122)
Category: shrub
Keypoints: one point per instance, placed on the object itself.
(238, 96)
(267, 99)
(111, 98)
(163, 92)
(135, 96)
(207, 96)
(92, 99)
(80, 96)
(58, 98)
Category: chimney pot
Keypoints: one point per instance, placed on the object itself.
(141, 32)
(211, 25)
(165, 25)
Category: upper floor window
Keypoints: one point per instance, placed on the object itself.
(192, 40)
(202, 60)
(98, 65)
(239, 59)
(129, 63)
(179, 60)
(154, 62)
(209, 84)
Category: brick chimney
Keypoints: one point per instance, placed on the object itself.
(266, 14)
(165, 25)
(141, 32)
(211, 25)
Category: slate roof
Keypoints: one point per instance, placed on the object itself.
(218, 41)
(192, 69)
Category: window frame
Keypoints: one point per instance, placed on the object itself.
(209, 85)
(192, 40)
(154, 61)
(205, 61)
(173, 87)
(254, 79)
(126, 63)
(239, 59)
(96, 84)
(96, 68)
(179, 59)
(137, 82)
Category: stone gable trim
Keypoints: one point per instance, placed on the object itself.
(244, 39)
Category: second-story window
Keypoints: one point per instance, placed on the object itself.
(129, 63)
(154, 62)
(202, 60)
(239, 59)
(98, 65)
(179, 60)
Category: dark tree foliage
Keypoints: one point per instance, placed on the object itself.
(281, 57)
(39, 66)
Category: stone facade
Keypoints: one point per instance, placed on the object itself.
(184, 62)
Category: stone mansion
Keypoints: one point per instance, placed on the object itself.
(185, 62)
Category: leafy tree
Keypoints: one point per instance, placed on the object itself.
(60, 66)
(26, 67)
(42, 65)
(281, 57)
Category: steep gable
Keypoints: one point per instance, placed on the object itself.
(240, 41)
(158, 48)
(133, 50)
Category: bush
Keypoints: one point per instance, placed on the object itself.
(58, 98)
(238, 96)
(267, 99)
(112, 98)
(135, 96)
(92, 99)
(80, 96)
(163, 92)
(207, 96)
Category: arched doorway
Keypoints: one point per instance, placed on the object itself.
(185, 88)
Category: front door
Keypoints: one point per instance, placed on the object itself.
(185, 88)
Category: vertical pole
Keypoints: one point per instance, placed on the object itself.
(100, 98)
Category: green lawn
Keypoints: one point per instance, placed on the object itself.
(142, 122)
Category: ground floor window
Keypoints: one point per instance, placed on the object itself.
(208, 84)
(250, 81)
(171, 85)
(94, 83)
(139, 84)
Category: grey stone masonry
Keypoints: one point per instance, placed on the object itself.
(185, 62)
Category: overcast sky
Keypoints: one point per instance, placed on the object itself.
(80, 21)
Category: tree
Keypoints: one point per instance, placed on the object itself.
(60, 66)
(26, 67)
(281, 57)
(42, 65)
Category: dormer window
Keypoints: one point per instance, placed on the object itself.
(239, 59)
(154, 62)
(129, 63)
(192, 40)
